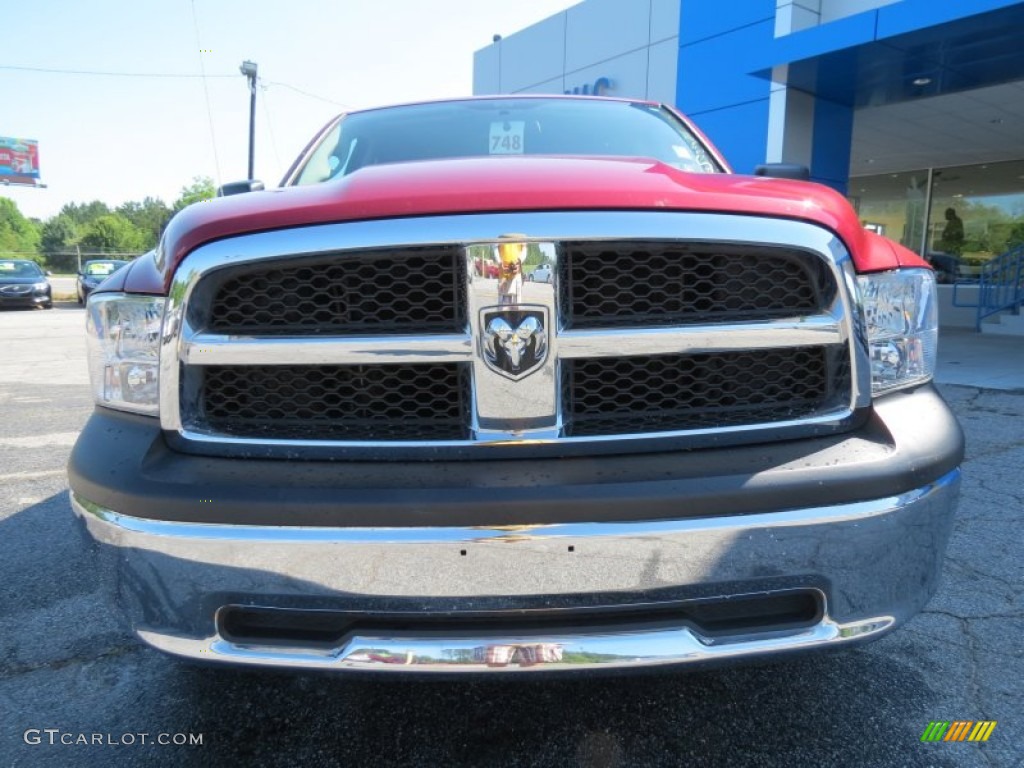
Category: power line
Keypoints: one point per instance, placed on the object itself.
(307, 93)
(270, 128)
(206, 90)
(51, 71)
(185, 75)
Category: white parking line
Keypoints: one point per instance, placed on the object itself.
(32, 475)
(37, 441)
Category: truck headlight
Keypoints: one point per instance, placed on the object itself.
(902, 325)
(124, 350)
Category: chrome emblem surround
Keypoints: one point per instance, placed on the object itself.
(514, 339)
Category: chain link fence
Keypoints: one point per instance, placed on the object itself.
(69, 262)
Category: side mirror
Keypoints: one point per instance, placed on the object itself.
(239, 187)
(784, 171)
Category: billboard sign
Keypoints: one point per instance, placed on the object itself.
(19, 161)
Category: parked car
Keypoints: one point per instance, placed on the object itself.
(717, 440)
(94, 272)
(23, 283)
(486, 268)
(542, 274)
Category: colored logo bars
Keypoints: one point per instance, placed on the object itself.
(958, 730)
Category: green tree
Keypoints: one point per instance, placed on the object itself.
(112, 234)
(85, 213)
(58, 234)
(534, 255)
(149, 217)
(17, 233)
(200, 189)
(1016, 236)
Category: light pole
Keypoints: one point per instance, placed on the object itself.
(248, 69)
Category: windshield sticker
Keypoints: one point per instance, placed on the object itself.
(507, 137)
(7, 266)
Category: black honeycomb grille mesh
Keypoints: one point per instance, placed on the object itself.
(608, 396)
(419, 290)
(319, 402)
(652, 283)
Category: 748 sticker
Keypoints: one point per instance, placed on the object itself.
(507, 138)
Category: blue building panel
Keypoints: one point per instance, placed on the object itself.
(833, 137)
(817, 41)
(717, 72)
(717, 84)
(912, 15)
(874, 57)
(700, 20)
(739, 131)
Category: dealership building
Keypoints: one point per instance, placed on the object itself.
(912, 108)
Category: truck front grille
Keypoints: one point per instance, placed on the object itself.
(609, 396)
(416, 290)
(659, 330)
(345, 402)
(659, 284)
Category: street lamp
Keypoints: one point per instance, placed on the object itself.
(248, 69)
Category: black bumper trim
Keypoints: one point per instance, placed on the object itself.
(122, 461)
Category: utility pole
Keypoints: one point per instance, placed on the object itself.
(248, 69)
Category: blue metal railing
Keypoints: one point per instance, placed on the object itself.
(961, 280)
(1001, 284)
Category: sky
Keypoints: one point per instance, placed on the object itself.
(119, 138)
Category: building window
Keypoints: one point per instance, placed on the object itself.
(977, 211)
(893, 204)
(974, 212)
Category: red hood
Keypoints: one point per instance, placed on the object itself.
(514, 184)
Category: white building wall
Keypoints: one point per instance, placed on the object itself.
(599, 30)
(664, 19)
(534, 58)
(838, 9)
(632, 43)
(662, 65)
(794, 15)
(548, 86)
(485, 70)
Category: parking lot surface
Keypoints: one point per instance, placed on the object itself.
(68, 665)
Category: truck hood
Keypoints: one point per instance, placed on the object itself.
(471, 185)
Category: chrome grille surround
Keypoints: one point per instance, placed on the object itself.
(508, 417)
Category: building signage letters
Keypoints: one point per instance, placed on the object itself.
(599, 87)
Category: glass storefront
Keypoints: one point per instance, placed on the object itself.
(973, 212)
(893, 204)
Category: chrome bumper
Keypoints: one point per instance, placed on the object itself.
(873, 563)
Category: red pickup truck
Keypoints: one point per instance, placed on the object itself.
(710, 435)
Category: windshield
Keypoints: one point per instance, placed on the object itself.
(20, 269)
(505, 127)
(102, 268)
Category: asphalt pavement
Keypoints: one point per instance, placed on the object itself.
(63, 285)
(69, 670)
